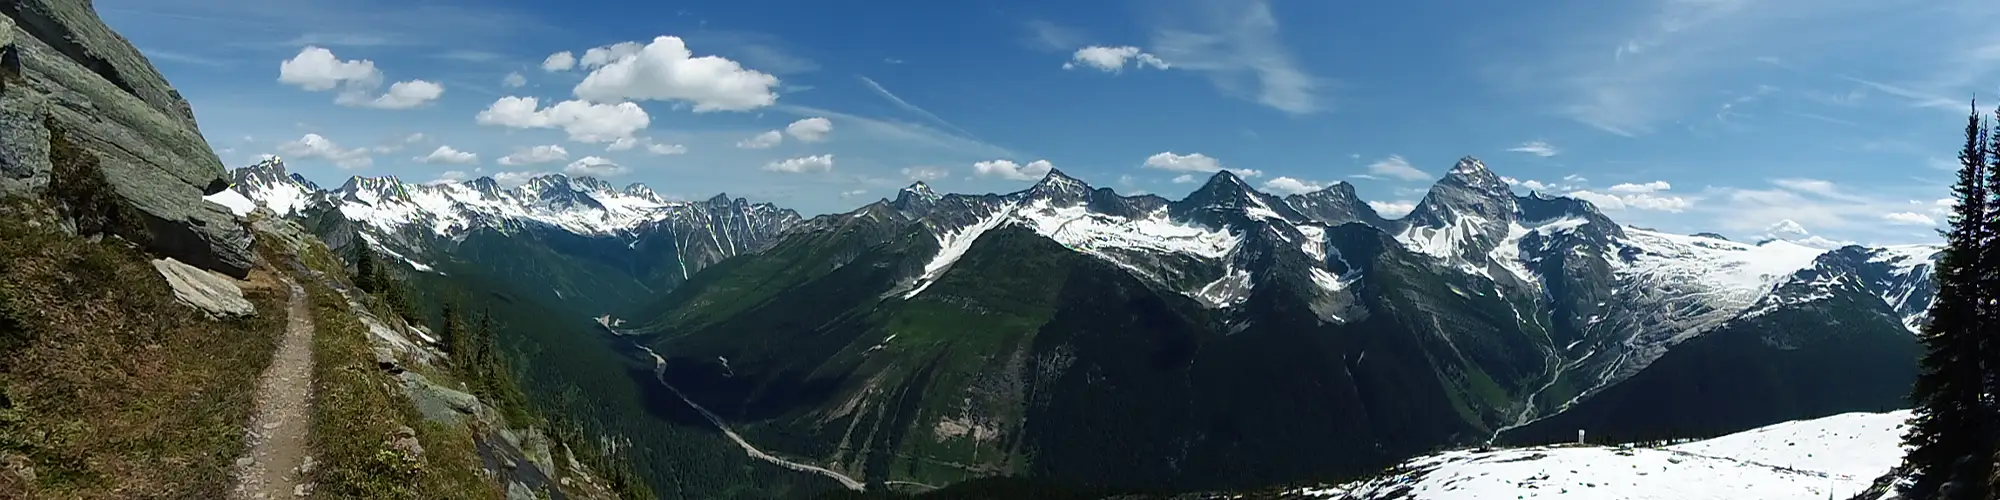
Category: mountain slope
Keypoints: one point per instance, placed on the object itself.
(1233, 337)
(588, 244)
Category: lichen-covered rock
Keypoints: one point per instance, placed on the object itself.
(112, 102)
(442, 404)
(205, 291)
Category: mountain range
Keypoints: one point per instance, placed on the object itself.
(1232, 338)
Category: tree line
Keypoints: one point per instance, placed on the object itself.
(474, 355)
(1955, 433)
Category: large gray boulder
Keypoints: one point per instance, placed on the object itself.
(203, 290)
(110, 101)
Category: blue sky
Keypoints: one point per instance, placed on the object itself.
(1731, 116)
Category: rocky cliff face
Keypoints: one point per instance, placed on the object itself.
(62, 67)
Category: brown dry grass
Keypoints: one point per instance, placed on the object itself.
(108, 387)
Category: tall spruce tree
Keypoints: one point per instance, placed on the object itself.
(1989, 264)
(1949, 453)
(366, 277)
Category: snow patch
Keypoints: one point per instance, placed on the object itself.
(1835, 457)
(1096, 234)
(1231, 289)
(952, 245)
(1315, 245)
(234, 201)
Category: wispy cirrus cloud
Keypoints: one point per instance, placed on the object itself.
(906, 106)
(1654, 62)
(1537, 148)
(1236, 45)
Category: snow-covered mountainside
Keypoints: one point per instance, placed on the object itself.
(1653, 289)
(1831, 457)
(1609, 298)
(1063, 321)
(579, 205)
(578, 238)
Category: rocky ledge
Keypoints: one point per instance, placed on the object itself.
(60, 65)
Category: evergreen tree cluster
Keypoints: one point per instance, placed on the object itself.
(372, 277)
(475, 357)
(1955, 434)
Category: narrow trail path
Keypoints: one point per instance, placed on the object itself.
(659, 368)
(273, 465)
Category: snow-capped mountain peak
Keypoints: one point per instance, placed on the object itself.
(1465, 215)
(1060, 189)
(579, 205)
(372, 189)
(267, 183)
(920, 190)
(1335, 205)
(645, 193)
(1225, 195)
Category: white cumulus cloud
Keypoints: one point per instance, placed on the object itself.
(449, 156)
(560, 61)
(536, 155)
(594, 167)
(1910, 219)
(1393, 209)
(925, 173)
(317, 69)
(1007, 169)
(401, 95)
(665, 70)
(810, 129)
(1192, 162)
(766, 140)
(1113, 59)
(584, 121)
(1396, 167)
(1290, 186)
(1537, 148)
(597, 57)
(803, 164)
(627, 143)
(320, 147)
(1634, 201)
(1644, 187)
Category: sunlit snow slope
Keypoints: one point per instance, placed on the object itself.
(1834, 456)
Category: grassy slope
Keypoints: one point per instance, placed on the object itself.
(111, 388)
(586, 381)
(358, 408)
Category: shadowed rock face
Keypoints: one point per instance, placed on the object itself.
(114, 104)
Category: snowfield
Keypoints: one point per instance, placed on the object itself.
(1835, 457)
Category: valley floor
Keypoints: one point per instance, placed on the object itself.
(1835, 457)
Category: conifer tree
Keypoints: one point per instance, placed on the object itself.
(451, 337)
(1949, 458)
(366, 277)
(1989, 264)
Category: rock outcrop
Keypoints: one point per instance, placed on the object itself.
(60, 62)
(205, 291)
